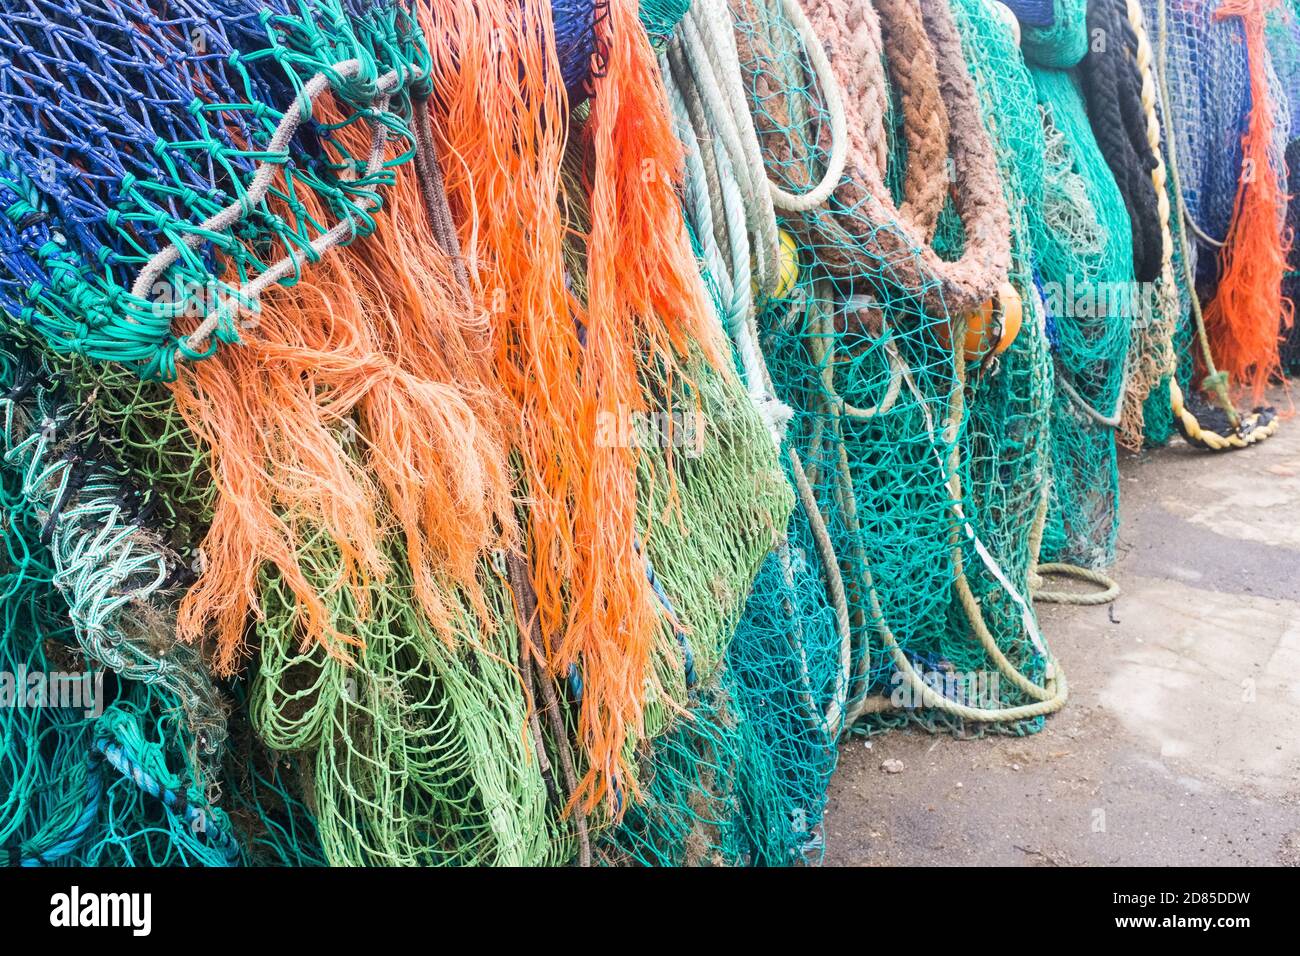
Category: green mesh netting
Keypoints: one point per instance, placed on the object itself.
(1062, 43)
(741, 779)
(121, 773)
(913, 540)
(1083, 254)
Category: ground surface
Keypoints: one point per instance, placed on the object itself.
(1180, 743)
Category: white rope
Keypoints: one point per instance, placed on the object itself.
(821, 64)
(258, 187)
(734, 278)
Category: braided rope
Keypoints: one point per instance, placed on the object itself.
(871, 228)
(1154, 338)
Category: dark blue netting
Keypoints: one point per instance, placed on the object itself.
(1033, 13)
(133, 122)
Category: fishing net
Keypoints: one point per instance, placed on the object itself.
(412, 751)
(1291, 282)
(179, 163)
(1062, 41)
(1118, 81)
(1084, 257)
(435, 730)
(1284, 50)
(1202, 62)
(1033, 13)
(712, 789)
(1157, 413)
(660, 18)
(913, 539)
(450, 754)
(216, 170)
(122, 773)
(1229, 121)
(1283, 35)
(106, 561)
(631, 619)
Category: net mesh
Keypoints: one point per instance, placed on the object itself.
(1203, 68)
(1060, 43)
(1291, 282)
(119, 772)
(192, 133)
(918, 515)
(1084, 257)
(907, 219)
(1284, 49)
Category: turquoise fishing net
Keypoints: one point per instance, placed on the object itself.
(1083, 254)
(121, 776)
(1062, 42)
(741, 779)
(882, 431)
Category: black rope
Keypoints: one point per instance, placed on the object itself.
(1113, 90)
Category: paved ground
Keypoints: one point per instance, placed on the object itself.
(1180, 744)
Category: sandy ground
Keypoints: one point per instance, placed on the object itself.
(1180, 743)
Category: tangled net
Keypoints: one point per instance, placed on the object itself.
(530, 433)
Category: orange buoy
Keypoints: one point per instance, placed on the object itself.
(992, 327)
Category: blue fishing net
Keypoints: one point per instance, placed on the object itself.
(137, 124)
(1202, 62)
(1033, 13)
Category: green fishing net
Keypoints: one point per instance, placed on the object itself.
(740, 779)
(918, 479)
(416, 752)
(1083, 254)
(1062, 43)
(122, 772)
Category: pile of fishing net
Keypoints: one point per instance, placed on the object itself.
(1223, 142)
(1284, 49)
(920, 468)
(227, 400)
(532, 432)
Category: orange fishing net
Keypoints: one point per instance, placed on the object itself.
(1245, 319)
(500, 104)
(360, 404)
